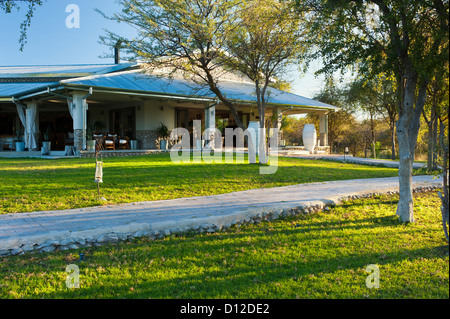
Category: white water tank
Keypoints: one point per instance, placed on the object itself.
(309, 137)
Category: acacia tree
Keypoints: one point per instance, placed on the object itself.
(9, 5)
(339, 122)
(408, 38)
(266, 40)
(384, 97)
(202, 38)
(361, 95)
(185, 37)
(387, 106)
(376, 95)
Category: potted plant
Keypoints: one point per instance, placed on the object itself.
(97, 126)
(20, 144)
(46, 144)
(92, 128)
(163, 133)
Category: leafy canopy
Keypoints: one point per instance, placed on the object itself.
(8, 6)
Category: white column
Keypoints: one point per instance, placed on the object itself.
(323, 129)
(210, 117)
(79, 120)
(279, 115)
(210, 124)
(253, 129)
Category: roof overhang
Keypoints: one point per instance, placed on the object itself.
(77, 87)
(98, 89)
(146, 94)
(62, 87)
(31, 73)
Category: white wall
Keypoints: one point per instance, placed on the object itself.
(150, 115)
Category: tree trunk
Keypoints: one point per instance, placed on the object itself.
(372, 135)
(405, 203)
(441, 138)
(213, 87)
(407, 130)
(260, 102)
(392, 131)
(429, 148)
(434, 137)
(444, 196)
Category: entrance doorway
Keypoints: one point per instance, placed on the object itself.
(185, 118)
(123, 122)
(57, 125)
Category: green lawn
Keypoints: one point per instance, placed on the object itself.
(37, 184)
(323, 255)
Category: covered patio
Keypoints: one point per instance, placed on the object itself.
(122, 108)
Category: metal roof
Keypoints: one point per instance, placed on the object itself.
(14, 89)
(42, 71)
(136, 82)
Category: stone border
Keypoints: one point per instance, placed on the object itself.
(59, 241)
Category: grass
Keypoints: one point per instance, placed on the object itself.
(37, 184)
(323, 255)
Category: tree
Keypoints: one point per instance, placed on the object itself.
(292, 132)
(437, 109)
(358, 137)
(383, 91)
(362, 96)
(202, 39)
(376, 96)
(339, 122)
(182, 37)
(408, 38)
(8, 5)
(266, 40)
(444, 195)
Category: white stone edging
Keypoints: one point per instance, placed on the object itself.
(65, 240)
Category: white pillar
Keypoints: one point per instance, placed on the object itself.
(253, 129)
(323, 129)
(279, 115)
(31, 125)
(210, 117)
(79, 120)
(210, 124)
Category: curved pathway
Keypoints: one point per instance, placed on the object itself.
(74, 228)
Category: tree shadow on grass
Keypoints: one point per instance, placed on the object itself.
(243, 280)
(263, 273)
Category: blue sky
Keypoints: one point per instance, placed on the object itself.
(50, 42)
